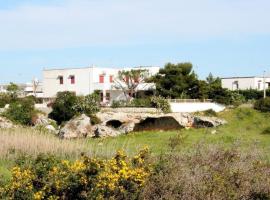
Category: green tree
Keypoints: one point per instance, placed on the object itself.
(63, 107)
(88, 104)
(176, 80)
(21, 111)
(13, 90)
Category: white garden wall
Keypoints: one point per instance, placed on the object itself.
(196, 107)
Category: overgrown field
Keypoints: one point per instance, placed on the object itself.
(246, 129)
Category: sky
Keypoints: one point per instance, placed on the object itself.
(224, 37)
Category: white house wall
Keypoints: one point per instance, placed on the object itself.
(52, 84)
(243, 83)
(86, 80)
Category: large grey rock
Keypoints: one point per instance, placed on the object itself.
(5, 123)
(105, 131)
(78, 127)
(127, 127)
(203, 122)
(43, 121)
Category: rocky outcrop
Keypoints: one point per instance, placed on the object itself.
(105, 131)
(126, 122)
(116, 123)
(5, 123)
(79, 127)
(44, 121)
(123, 123)
(203, 122)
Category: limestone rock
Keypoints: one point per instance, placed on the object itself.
(5, 123)
(79, 127)
(203, 122)
(51, 128)
(105, 131)
(127, 127)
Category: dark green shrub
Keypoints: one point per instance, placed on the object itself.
(67, 105)
(21, 111)
(266, 131)
(116, 104)
(263, 104)
(210, 112)
(136, 103)
(63, 107)
(251, 94)
(237, 99)
(4, 99)
(146, 102)
(88, 105)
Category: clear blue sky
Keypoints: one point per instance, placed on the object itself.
(225, 37)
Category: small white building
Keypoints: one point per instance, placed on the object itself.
(84, 81)
(244, 83)
(28, 89)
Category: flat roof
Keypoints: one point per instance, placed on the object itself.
(72, 68)
(239, 77)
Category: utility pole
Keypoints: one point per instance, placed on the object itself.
(264, 88)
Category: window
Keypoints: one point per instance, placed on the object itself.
(235, 85)
(259, 85)
(108, 96)
(111, 78)
(72, 79)
(101, 96)
(101, 78)
(61, 80)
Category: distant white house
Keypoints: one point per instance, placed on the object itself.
(28, 89)
(84, 81)
(243, 83)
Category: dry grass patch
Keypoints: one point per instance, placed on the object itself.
(33, 142)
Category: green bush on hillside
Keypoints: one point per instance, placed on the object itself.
(62, 108)
(161, 103)
(21, 111)
(136, 103)
(67, 105)
(4, 99)
(88, 105)
(263, 104)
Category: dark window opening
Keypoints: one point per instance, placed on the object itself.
(108, 96)
(61, 80)
(72, 79)
(111, 79)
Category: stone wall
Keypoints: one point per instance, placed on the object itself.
(130, 110)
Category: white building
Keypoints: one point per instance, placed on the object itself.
(84, 81)
(34, 89)
(28, 89)
(243, 83)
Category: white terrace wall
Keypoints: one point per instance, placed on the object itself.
(176, 108)
(196, 107)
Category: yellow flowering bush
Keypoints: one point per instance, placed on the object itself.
(47, 177)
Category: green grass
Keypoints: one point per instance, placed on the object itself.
(245, 128)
